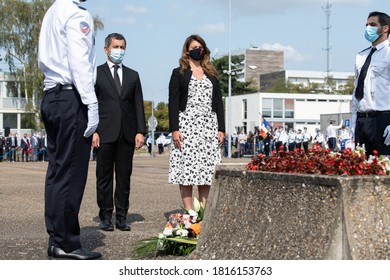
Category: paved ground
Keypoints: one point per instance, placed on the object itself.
(22, 229)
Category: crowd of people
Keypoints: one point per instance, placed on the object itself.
(335, 138)
(30, 147)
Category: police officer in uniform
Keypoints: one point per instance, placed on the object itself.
(370, 101)
(69, 110)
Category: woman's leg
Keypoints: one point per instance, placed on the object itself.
(203, 192)
(186, 196)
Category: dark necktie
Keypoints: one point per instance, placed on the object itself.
(116, 78)
(363, 73)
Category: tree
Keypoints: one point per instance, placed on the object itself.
(349, 87)
(160, 113)
(222, 65)
(19, 33)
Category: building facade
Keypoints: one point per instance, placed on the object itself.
(284, 109)
(306, 78)
(13, 114)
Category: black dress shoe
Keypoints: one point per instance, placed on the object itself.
(122, 225)
(106, 225)
(78, 254)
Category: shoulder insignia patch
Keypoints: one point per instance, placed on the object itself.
(84, 27)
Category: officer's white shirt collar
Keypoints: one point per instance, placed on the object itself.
(381, 45)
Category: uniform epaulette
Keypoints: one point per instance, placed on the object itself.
(78, 5)
(365, 49)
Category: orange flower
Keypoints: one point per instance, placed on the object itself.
(195, 228)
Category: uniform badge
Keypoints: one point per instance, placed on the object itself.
(84, 27)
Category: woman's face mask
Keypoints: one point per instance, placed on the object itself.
(197, 54)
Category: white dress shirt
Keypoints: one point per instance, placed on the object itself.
(377, 82)
(331, 130)
(111, 66)
(66, 53)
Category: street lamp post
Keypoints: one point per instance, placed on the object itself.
(229, 124)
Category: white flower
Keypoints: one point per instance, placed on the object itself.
(167, 231)
(192, 213)
(196, 204)
(182, 232)
(187, 216)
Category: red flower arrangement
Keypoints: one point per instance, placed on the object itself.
(321, 161)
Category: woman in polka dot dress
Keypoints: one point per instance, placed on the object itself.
(196, 120)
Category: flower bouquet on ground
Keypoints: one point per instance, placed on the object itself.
(322, 161)
(179, 237)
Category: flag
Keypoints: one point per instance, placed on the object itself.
(263, 127)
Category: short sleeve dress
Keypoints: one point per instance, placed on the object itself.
(195, 163)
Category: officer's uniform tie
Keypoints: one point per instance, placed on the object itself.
(363, 73)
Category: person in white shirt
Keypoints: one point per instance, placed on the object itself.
(67, 58)
(291, 140)
(344, 136)
(160, 143)
(242, 137)
(370, 101)
(282, 138)
(298, 139)
(306, 139)
(331, 134)
(319, 139)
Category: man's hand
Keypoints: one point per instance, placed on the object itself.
(139, 141)
(93, 119)
(95, 140)
(386, 134)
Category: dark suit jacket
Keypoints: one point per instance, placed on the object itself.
(119, 111)
(178, 95)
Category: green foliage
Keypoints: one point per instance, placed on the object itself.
(238, 87)
(161, 114)
(19, 34)
(146, 248)
(348, 88)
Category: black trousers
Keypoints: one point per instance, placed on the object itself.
(305, 146)
(369, 131)
(65, 119)
(116, 156)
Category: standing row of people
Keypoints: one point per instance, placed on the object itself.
(30, 147)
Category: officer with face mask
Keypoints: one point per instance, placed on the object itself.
(121, 131)
(69, 110)
(370, 102)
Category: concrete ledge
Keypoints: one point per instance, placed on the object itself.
(263, 215)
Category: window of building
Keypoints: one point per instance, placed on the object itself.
(10, 120)
(267, 107)
(12, 89)
(27, 120)
(245, 108)
(278, 108)
(289, 108)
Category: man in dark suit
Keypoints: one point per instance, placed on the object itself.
(12, 144)
(121, 130)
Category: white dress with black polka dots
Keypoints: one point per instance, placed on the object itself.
(195, 163)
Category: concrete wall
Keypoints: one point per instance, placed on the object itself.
(262, 215)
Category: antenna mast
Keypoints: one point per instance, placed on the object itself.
(328, 11)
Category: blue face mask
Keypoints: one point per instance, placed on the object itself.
(371, 33)
(117, 55)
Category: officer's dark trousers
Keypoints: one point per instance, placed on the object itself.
(65, 119)
(369, 131)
